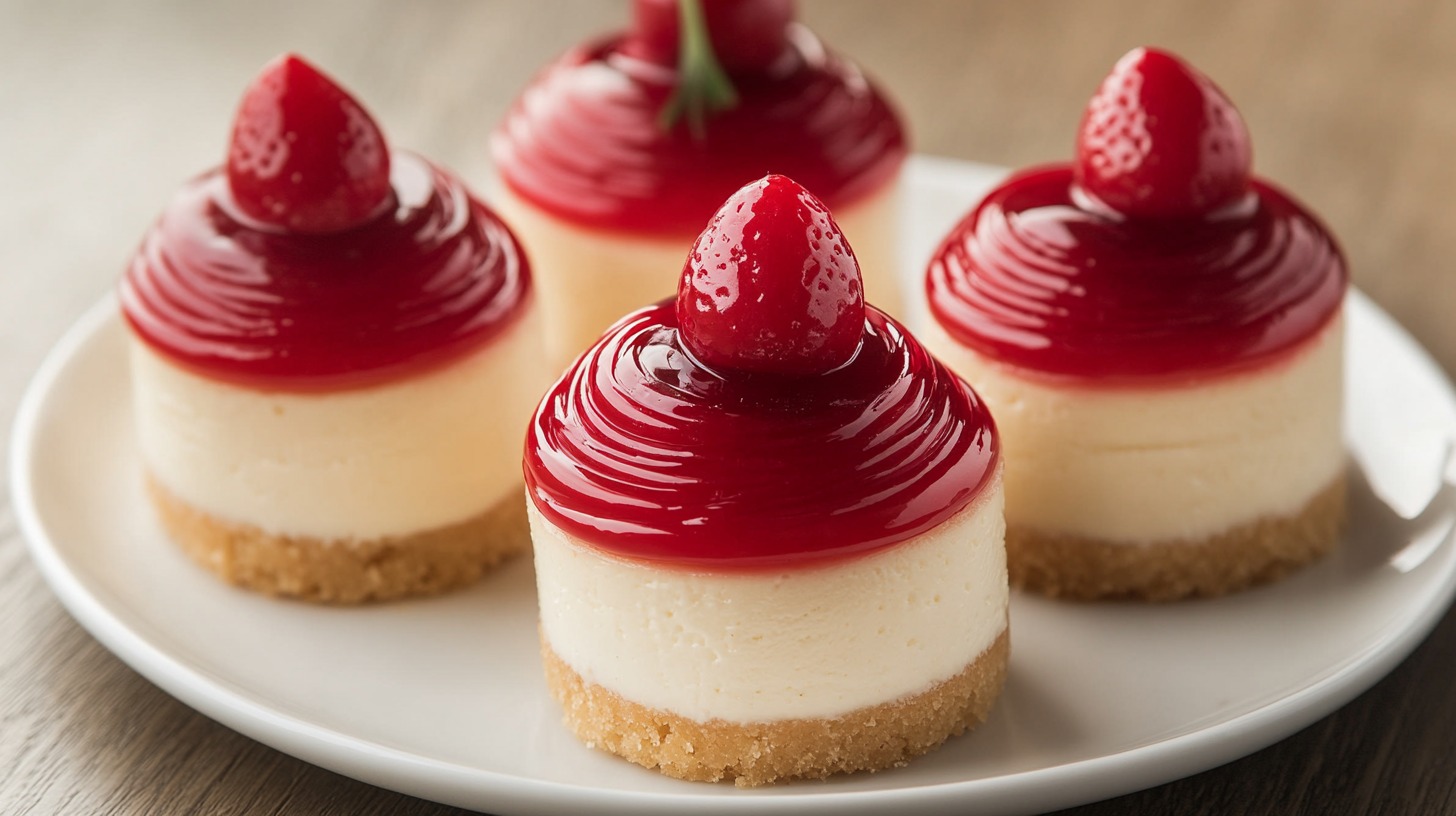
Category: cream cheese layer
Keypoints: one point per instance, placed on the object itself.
(782, 644)
(403, 457)
(1163, 464)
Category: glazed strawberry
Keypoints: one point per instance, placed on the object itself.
(771, 285)
(1160, 140)
(746, 35)
(305, 156)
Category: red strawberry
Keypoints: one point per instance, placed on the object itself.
(1160, 140)
(771, 285)
(305, 156)
(747, 35)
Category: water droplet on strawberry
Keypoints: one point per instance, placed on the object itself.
(772, 285)
(305, 156)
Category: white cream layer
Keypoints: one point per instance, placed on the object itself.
(399, 458)
(1141, 465)
(759, 647)
(590, 278)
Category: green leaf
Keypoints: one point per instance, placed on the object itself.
(702, 85)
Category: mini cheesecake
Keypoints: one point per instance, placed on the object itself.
(616, 155)
(333, 349)
(767, 524)
(1160, 337)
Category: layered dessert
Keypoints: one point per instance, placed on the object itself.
(334, 350)
(1160, 337)
(616, 155)
(767, 524)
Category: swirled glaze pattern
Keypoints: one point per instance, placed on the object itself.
(430, 280)
(645, 453)
(1038, 280)
(584, 143)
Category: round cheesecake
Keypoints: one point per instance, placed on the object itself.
(1160, 337)
(765, 552)
(324, 384)
(616, 155)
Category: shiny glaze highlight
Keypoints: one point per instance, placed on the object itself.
(584, 142)
(645, 453)
(1041, 280)
(424, 283)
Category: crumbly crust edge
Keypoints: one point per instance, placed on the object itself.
(1073, 567)
(346, 571)
(750, 754)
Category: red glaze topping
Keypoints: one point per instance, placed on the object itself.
(648, 452)
(585, 141)
(1166, 263)
(257, 303)
(737, 307)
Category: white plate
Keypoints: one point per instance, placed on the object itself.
(443, 698)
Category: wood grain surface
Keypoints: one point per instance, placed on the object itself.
(106, 108)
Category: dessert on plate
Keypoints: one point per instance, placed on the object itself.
(616, 155)
(1159, 335)
(334, 350)
(767, 524)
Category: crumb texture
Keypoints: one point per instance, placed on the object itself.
(1064, 566)
(750, 754)
(347, 572)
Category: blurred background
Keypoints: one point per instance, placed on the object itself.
(105, 108)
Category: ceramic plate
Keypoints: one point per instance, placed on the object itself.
(443, 698)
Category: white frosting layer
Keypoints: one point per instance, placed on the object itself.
(759, 647)
(393, 459)
(590, 278)
(1141, 465)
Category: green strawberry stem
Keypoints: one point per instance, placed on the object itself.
(702, 85)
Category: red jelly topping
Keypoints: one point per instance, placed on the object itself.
(1167, 272)
(646, 451)
(431, 277)
(739, 310)
(585, 141)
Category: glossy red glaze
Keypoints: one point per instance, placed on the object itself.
(772, 285)
(1161, 140)
(305, 156)
(1034, 279)
(432, 279)
(584, 141)
(747, 35)
(642, 452)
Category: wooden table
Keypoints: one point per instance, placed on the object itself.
(105, 109)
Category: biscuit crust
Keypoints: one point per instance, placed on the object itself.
(1068, 566)
(347, 571)
(750, 754)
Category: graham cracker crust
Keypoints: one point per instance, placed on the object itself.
(347, 571)
(868, 739)
(1065, 566)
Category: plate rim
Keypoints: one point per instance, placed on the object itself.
(1045, 788)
